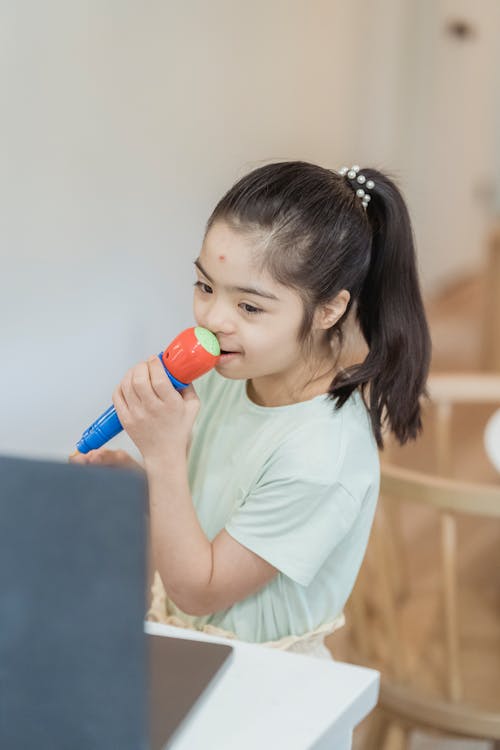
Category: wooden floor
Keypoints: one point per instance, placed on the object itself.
(456, 323)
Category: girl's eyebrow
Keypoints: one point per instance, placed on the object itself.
(245, 289)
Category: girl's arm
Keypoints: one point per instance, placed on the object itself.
(200, 576)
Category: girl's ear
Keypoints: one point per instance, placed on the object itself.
(328, 314)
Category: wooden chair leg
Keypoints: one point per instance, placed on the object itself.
(396, 551)
(405, 737)
(376, 731)
(397, 737)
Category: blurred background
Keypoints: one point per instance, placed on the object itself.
(123, 123)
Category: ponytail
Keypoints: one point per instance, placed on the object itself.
(391, 315)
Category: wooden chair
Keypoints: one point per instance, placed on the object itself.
(430, 621)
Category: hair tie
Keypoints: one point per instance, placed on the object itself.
(352, 174)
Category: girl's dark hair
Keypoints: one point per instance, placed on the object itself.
(319, 239)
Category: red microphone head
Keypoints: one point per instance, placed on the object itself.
(191, 354)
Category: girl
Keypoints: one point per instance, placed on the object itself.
(263, 481)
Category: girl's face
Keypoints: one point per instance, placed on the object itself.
(253, 317)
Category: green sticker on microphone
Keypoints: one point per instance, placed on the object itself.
(207, 340)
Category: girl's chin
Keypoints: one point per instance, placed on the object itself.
(228, 366)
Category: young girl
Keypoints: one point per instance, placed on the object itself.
(263, 478)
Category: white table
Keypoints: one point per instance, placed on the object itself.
(271, 699)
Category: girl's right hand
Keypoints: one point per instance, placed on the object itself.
(106, 457)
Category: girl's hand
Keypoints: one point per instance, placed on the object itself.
(106, 457)
(158, 418)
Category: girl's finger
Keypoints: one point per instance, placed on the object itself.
(120, 405)
(102, 456)
(141, 381)
(189, 393)
(76, 458)
(160, 382)
(129, 390)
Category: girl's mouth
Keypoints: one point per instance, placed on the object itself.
(225, 355)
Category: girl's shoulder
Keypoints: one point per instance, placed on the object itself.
(327, 443)
(346, 424)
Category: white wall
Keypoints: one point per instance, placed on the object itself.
(448, 148)
(123, 122)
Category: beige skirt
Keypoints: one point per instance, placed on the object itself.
(312, 643)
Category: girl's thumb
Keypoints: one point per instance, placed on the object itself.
(189, 393)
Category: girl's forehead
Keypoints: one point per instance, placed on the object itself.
(233, 259)
(222, 236)
(226, 248)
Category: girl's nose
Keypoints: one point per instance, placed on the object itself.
(218, 319)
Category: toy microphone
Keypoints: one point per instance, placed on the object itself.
(191, 354)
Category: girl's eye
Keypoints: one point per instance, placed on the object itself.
(249, 309)
(203, 287)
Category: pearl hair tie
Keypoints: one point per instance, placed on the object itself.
(352, 173)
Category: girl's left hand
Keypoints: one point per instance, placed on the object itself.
(158, 418)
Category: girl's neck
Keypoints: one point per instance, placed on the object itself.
(307, 383)
(281, 397)
(303, 386)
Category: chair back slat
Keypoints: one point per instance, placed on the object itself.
(450, 606)
(443, 438)
(464, 388)
(386, 596)
(448, 495)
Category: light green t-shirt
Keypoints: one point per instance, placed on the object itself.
(295, 484)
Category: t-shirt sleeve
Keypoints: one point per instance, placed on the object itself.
(294, 523)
